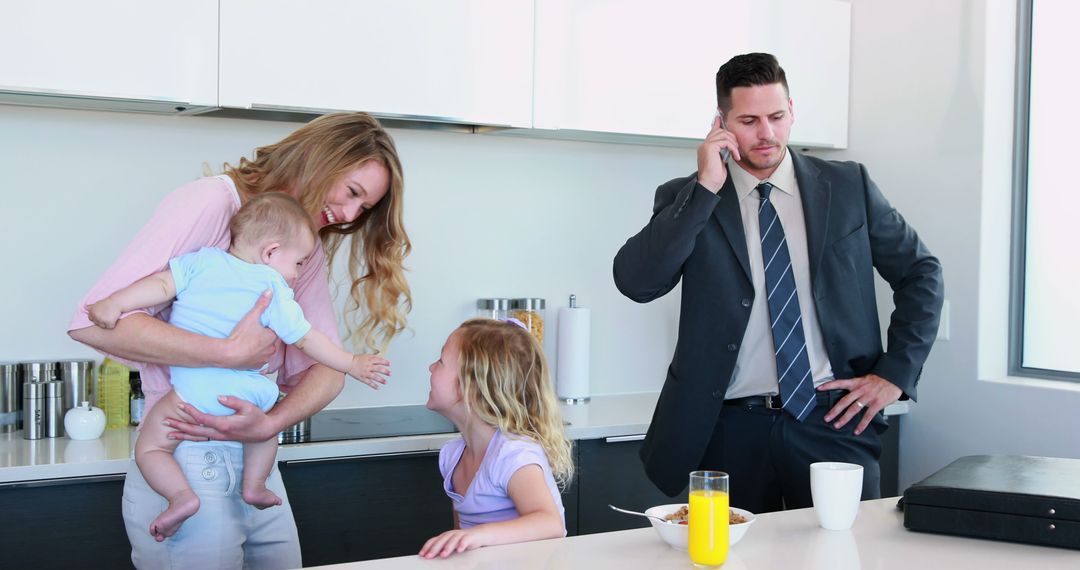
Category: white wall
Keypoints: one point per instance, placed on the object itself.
(488, 216)
(931, 112)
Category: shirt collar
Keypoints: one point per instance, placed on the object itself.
(783, 178)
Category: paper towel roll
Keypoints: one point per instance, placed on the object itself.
(572, 369)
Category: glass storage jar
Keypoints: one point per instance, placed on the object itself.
(492, 308)
(530, 311)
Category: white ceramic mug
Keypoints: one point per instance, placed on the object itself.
(836, 489)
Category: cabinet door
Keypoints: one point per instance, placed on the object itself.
(363, 508)
(468, 61)
(64, 523)
(610, 473)
(639, 67)
(110, 49)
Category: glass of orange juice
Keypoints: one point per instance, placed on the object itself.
(708, 518)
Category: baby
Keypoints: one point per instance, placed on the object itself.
(272, 236)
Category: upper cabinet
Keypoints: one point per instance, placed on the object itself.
(466, 61)
(639, 67)
(617, 69)
(129, 55)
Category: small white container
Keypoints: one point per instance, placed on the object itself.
(84, 422)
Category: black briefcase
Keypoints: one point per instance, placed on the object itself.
(1016, 498)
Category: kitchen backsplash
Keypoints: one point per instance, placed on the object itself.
(488, 216)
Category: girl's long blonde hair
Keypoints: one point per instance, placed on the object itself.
(505, 381)
(306, 164)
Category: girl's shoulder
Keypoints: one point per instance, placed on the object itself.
(514, 452)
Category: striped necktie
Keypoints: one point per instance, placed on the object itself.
(789, 341)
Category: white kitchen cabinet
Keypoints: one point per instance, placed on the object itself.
(638, 67)
(466, 61)
(114, 54)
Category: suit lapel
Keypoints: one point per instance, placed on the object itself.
(730, 218)
(815, 194)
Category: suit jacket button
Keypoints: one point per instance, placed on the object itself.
(746, 302)
(732, 347)
(717, 394)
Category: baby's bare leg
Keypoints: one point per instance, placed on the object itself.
(259, 459)
(154, 456)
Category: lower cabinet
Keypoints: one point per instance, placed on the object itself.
(609, 472)
(361, 508)
(64, 523)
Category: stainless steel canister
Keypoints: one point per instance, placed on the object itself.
(33, 410)
(296, 433)
(39, 371)
(78, 378)
(53, 419)
(10, 397)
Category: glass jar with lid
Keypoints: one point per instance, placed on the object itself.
(530, 311)
(492, 308)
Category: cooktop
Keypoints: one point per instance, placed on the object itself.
(361, 423)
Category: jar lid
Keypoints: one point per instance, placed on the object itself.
(493, 304)
(529, 304)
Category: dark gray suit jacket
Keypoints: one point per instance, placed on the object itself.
(697, 237)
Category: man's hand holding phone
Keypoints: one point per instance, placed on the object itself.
(712, 155)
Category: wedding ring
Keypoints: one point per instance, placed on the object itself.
(860, 404)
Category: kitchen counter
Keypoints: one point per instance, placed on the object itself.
(789, 539)
(55, 458)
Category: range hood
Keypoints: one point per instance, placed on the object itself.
(87, 101)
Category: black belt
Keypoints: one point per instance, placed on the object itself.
(772, 402)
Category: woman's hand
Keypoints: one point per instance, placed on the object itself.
(250, 345)
(370, 369)
(248, 424)
(451, 542)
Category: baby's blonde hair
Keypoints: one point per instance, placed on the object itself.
(505, 381)
(268, 217)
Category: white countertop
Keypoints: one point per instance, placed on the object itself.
(55, 458)
(776, 541)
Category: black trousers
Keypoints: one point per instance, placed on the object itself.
(767, 454)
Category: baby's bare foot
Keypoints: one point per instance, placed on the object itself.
(181, 507)
(259, 496)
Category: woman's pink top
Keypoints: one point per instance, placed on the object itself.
(194, 216)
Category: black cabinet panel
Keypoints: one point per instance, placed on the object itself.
(68, 523)
(611, 473)
(890, 458)
(366, 507)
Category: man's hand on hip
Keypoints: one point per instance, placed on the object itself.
(866, 394)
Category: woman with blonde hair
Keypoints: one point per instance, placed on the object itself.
(345, 171)
(504, 473)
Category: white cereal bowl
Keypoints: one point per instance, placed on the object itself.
(678, 535)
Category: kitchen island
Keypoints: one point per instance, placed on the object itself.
(777, 541)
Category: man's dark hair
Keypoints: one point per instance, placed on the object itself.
(747, 70)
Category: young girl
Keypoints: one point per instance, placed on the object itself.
(272, 237)
(504, 473)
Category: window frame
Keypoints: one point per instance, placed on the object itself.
(1018, 254)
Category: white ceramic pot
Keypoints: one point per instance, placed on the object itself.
(84, 422)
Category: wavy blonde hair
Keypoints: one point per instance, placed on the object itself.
(306, 164)
(504, 380)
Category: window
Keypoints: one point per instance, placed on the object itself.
(1045, 312)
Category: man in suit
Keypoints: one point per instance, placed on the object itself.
(779, 361)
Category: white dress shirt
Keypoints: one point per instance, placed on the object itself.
(755, 368)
